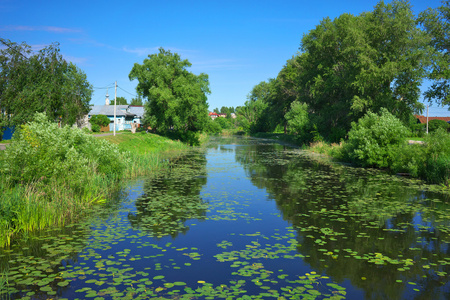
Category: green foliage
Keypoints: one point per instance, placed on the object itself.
(177, 97)
(429, 161)
(96, 128)
(137, 101)
(41, 151)
(373, 140)
(40, 82)
(252, 117)
(434, 125)
(120, 101)
(100, 120)
(437, 24)
(224, 123)
(351, 65)
(297, 117)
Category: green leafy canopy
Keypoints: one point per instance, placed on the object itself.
(176, 97)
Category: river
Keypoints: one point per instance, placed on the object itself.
(245, 218)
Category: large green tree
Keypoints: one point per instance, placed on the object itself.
(176, 97)
(356, 64)
(40, 82)
(437, 24)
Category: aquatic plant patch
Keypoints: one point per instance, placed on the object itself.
(238, 225)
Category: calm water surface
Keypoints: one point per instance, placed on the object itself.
(246, 219)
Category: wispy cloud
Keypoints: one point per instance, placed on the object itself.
(40, 28)
(75, 60)
(140, 51)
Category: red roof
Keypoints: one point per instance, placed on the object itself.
(423, 119)
(213, 114)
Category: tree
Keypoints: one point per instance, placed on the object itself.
(252, 116)
(437, 24)
(40, 82)
(120, 101)
(297, 117)
(137, 101)
(77, 93)
(176, 97)
(356, 64)
(285, 92)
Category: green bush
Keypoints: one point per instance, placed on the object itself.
(297, 117)
(213, 127)
(429, 161)
(418, 129)
(410, 159)
(100, 120)
(374, 139)
(40, 151)
(95, 128)
(434, 125)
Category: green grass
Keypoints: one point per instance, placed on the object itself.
(32, 206)
(144, 143)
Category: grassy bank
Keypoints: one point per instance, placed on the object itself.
(429, 160)
(51, 176)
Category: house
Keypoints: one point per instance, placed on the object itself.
(213, 115)
(222, 115)
(423, 119)
(124, 116)
(138, 111)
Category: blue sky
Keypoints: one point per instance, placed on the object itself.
(237, 43)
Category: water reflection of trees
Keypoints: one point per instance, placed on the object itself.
(345, 216)
(172, 198)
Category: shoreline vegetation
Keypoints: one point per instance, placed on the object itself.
(52, 176)
(425, 161)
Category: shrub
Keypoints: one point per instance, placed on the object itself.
(41, 151)
(212, 127)
(95, 128)
(410, 159)
(429, 161)
(224, 123)
(374, 139)
(297, 117)
(100, 120)
(434, 125)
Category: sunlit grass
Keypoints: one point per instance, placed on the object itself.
(35, 206)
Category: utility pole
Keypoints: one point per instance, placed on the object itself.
(427, 119)
(115, 102)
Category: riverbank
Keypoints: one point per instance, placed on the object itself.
(427, 159)
(53, 177)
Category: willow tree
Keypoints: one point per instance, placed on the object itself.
(176, 97)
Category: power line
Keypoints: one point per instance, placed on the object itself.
(111, 85)
(127, 92)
